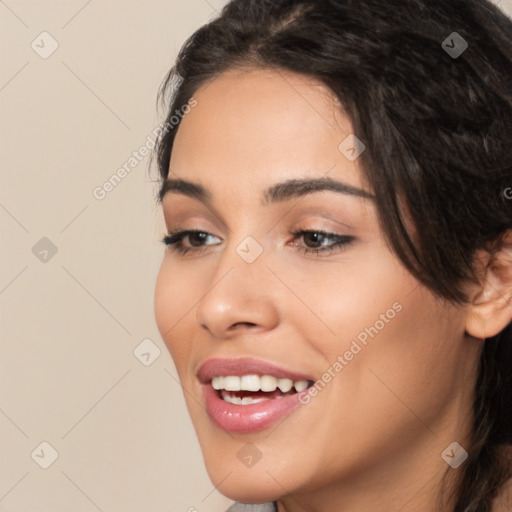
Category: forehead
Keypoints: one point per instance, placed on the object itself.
(260, 124)
(269, 87)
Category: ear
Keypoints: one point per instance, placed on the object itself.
(490, 310)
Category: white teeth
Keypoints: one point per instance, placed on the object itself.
(267, 383)
(300, 385)
(218, 382)
(285, 385)
(250, 383)
(246, 400)
(232, 383)
(232, 399)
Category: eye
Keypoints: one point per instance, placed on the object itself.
(195, 237)
(317, 241)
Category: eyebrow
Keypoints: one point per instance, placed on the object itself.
(276, 193)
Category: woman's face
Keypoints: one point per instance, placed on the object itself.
(388, 358)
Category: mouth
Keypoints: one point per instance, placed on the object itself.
(247, 395)
(253, 389)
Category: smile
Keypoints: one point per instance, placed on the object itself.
(249, 395)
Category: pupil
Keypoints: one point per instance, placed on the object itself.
(198, 236)
(315, 236)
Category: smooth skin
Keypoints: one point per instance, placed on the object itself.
(372, 438)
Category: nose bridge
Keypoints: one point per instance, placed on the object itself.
(239, 290)
(246, 254)
(242, 265)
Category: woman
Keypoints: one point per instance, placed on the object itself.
(336, 291)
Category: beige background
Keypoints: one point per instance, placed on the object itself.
(71, 321)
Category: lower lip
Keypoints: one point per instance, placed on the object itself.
(247, 418)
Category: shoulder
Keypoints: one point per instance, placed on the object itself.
(248, 507)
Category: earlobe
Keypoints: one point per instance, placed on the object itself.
(490, 310)
(487, 319)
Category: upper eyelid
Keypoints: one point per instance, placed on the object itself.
(308, 216)
(317, 211)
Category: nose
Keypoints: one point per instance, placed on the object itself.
(240, 296)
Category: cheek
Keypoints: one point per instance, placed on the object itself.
(338, 300)
(175, 294)
(383, 338)
(404, 371)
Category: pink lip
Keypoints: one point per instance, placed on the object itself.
(246, 418)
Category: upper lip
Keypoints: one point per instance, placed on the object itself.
(245, 366)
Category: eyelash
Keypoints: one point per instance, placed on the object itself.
(175, 241)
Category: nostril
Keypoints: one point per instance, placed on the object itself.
(243, 324)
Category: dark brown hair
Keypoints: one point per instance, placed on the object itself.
(438, 134)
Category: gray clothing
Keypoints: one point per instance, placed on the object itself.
(247, 507)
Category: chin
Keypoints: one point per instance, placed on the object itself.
(247, 485)
(249, 491)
